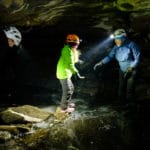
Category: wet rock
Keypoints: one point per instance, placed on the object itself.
(101, 128)
(4, 136)
(36, 140)
(23, 114)
(14, 129)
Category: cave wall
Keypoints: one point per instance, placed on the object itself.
(44, 25)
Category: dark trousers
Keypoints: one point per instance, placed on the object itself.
(126, 86)
(67, 91)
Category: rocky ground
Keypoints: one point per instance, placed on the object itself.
(28, 127)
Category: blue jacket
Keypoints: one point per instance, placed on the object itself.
(127, 55)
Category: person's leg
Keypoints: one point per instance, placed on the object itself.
(64, 93)
(131, 87)
(122, 87)
(67, 91)
(70, 93)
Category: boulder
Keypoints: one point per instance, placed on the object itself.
(23, 114)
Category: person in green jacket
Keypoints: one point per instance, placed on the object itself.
(66, 69)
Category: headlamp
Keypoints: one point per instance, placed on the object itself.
(111, 36)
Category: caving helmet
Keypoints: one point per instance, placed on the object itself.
(14, 34)
(120, 34)
(72, 40)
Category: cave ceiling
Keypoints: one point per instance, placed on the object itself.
(105, 14)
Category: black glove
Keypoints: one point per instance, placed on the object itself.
(100, 64)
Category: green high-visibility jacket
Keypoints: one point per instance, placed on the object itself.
(66, 63)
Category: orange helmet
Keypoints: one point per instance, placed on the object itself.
(72, 38)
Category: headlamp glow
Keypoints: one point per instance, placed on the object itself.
(111, 36)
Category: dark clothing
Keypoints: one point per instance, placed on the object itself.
(8, 62)
(126, 86)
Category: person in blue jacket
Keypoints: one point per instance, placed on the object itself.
(127, 54)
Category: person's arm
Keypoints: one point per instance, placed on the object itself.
(107, 59)
(110, 56)
(136, 55)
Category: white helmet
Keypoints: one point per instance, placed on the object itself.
(120, 33)
(14, 34)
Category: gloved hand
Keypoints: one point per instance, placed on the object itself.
(79, 76)
(130, 69)
(128, 72)
(100, 64)
(81, 62)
